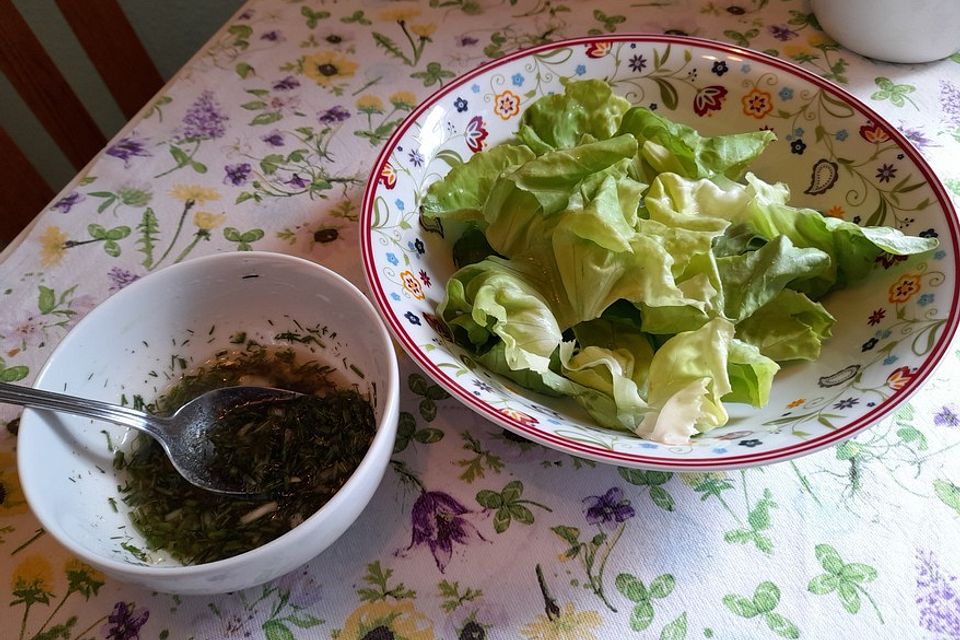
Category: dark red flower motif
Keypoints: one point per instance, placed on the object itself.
(599, 49)
(438, 325)
(475, 134)
(424, 278)
(877, 316)
(709, 99)
(873, 132)
(888, 259)
(388, 176)
(438, 522)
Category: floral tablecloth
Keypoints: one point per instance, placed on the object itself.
(263, 141)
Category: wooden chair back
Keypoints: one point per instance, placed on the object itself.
(120, 59)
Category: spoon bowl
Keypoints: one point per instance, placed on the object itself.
(184, 435)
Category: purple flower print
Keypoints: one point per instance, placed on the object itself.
(119, 278)
(204, 120)
(467, 41)
(950, 101)
(946, 417)
(286, 84)
(273, 36)
(127, 148)
(637, 63)
(237, 174)
(609, 509)
(782, 32)
(438, 522)
(916, 136)
(333, 115)
(123, 625)
(886, 172)
(274, 138)
(938, 602)
(296, 181)
(64, 204)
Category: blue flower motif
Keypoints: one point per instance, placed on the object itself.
(395, 297)
(554, 421)
(751, 443)
(718, 450)
(460, 104)
(940, 255)
(925, 299)
(745, 68)
(798, 132)
(399, 204)
(412, 318)
(890, 359)
(786, 94)
(475, 88)
(719, 67)
(517, 80)
(841, 135)
(580, 70)
(392, 259)
(649, 445)
(883, 334)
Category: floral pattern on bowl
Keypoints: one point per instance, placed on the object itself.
(837, 156)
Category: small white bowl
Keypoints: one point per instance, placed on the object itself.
(136, 344)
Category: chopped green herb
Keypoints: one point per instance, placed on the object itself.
(300, 451)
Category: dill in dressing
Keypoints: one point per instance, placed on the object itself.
(301, 451)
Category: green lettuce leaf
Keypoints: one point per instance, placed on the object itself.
(789, 327)
(586, 109)
(751, 374)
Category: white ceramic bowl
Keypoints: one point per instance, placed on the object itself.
(833, 151)
(131, 345)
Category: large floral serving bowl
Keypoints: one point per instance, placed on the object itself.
(834, 153)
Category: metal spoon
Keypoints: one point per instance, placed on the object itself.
(182, 435)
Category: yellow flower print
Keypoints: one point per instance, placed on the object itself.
(569, 625)
(506, 105)
(424, 30)
(12, 501)
(32, 581)
(403, 100)
(798, 49)
(327, 67)
(757, 103)
(394, 619)
(411, 284)
(697, 479)
(205, 220)
(400, 12)
(195, 192)
(796, 403)
(52, 246)
(370, 104)
(905, 288)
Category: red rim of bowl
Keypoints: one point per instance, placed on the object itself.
(600, 453)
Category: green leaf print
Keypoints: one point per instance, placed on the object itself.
(758, 520)
(474, 467)
(313, 17)
(948, 493)
(654, 480)
(379, 578)
(845, 579)
(508, 505)
(407, 431)
(276, 630)
(635, 591)
(433, 74)
(676, 630)
(12, 374)
(765, 599)
(897, 94)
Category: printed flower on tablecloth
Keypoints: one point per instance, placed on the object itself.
(206, 221)
(382, 620)
(67, 202)
(32, 581)
(52, 246)
(82, 578)
(328, 67)
(506, 105)
(599, 49)
(403, 100)
(438, 522)
(123, 624)
(126, 148)
(475, 134)
(608, 510)
(757, 103)
(411, 284)
(333, 115)
(709, 99)
(568, 623)
(937, 597)
(195, 193)
(905, 287)
(12, 500)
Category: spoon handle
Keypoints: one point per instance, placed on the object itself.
(41, 399)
